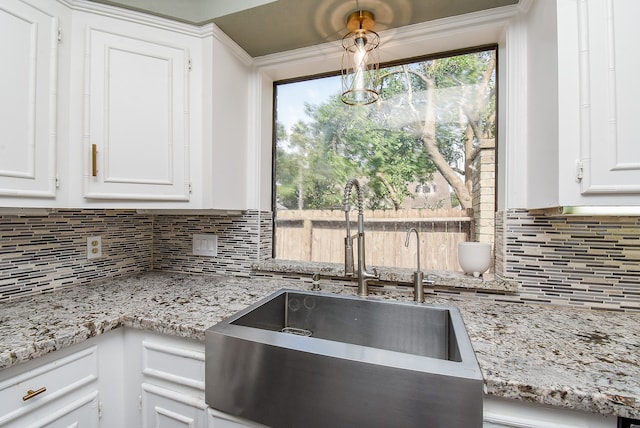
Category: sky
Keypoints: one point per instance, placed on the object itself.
(292, 96)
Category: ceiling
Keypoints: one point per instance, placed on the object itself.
(263, 27)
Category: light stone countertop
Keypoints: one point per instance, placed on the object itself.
(573, 358)
(486, 282)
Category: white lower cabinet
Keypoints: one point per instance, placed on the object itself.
(79, 386)
(130, 378)
(165, 408)
(83, 412)
(168, 378)
(170, 381)
(217, 419)
(504, 413)
(55, 391)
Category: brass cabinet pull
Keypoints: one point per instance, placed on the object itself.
(94, 160)
(31, 393)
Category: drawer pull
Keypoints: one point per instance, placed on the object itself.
(94, 160)
(31, 393)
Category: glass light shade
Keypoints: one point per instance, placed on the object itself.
(360, 67)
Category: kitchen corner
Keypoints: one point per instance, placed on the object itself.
(139, 201)
(570, 358)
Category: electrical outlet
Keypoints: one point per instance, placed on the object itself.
(205, 244)
(94, 247)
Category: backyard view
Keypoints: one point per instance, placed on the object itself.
(424, 155)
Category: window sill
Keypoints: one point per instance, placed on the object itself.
(442, 279)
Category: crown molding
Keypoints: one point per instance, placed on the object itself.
(134, 16)
(237, 51)
(327, 52)
(199, 31)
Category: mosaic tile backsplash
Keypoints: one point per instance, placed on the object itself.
(579, 261)
(45, 252)
(242, 240)
(576, 261)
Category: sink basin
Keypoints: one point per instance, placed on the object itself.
(313, 359)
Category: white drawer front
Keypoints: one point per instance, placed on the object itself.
(58, 378)
(173, 364)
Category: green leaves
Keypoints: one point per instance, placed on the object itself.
(450, 99)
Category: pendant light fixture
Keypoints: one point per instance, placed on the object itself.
(360, 60)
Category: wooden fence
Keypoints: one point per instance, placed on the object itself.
(315, 235)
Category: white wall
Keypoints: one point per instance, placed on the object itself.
(542, 104)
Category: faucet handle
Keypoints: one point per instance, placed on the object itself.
(371, 275)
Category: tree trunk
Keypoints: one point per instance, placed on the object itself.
(428, 138)
(300, 190)
(447, 172)
(392, 193)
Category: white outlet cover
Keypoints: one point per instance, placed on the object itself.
(205, 244)
(94, 247)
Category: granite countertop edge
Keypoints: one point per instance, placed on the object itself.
(583, 360)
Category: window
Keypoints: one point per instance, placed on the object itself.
(424, 156)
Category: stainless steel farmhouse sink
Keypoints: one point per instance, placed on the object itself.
(309, 359)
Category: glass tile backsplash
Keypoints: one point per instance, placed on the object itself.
(590, 262)
(45, 252)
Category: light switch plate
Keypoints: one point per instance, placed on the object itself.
(205, 244)
(94, 247)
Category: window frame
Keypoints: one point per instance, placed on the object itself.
(495, 46)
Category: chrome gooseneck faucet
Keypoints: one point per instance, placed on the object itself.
(418, 284)
(363, 274)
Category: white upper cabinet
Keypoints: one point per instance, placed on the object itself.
(608, 67)
(102, 107)
(582, 103)
(137, 113)
(226, 172)
(28, 86)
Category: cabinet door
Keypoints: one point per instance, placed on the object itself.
(56, 392)
(170, 380)
(136, 134)
(217, 419)
(28, 81)
(609, 96)
(81, 413)
(507, 413)
(55, 383)
(165, 408)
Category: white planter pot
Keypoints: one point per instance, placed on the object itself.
(474, 257)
